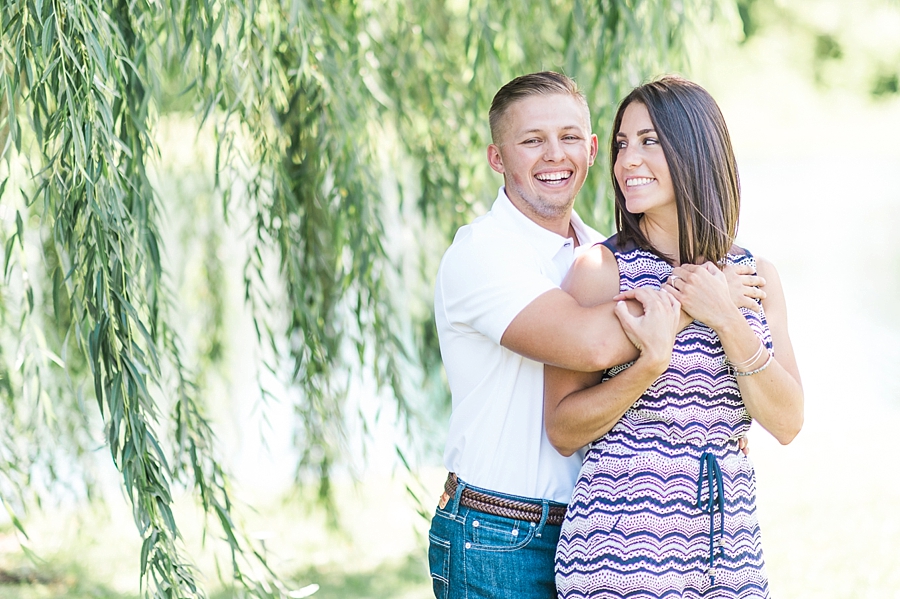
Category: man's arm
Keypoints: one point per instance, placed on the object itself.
(583, 334)
(575, 327)
(578, 410)
(555, 329)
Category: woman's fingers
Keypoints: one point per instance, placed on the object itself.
(673, 301)
(628, 322)
(672, 290)
(704, 291)
(745, 273)
(640, 294)
(744, 286)
(624, 295)
(754, 292)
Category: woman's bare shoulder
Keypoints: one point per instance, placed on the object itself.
(766, 269)
(594, 277)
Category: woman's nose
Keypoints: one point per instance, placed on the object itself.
(629, 157)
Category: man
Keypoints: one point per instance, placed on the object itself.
(501, 315)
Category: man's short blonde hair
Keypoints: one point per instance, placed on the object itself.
(534, 84)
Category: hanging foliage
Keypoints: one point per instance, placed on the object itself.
(319, 108)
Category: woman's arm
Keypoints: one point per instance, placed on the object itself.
(578, 410)
(774, 395)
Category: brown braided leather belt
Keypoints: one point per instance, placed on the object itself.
(501, 506)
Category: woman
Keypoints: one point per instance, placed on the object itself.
(665, 501)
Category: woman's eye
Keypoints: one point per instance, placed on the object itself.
(650, 141)
(621, 144)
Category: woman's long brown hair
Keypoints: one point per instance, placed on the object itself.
(697, 146)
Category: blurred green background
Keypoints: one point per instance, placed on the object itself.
(811, 94)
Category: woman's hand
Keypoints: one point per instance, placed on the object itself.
(704, 293)
(746, 286)
(773, 395)
(653, 332)
(578, 408)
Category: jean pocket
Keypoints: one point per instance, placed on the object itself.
(498, 534)
(439, 565)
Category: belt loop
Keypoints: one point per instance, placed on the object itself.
(545, 512)
(454, 503)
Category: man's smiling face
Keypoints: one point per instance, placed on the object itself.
(544, 150)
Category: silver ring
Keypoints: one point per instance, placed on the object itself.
(673, 278)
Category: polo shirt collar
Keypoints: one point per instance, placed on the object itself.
(545, 241)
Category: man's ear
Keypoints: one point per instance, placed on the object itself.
(494, 158)
(595, 145)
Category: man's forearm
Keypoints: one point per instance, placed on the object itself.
(555, 329)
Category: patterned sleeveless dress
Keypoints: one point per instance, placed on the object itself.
(665, 503)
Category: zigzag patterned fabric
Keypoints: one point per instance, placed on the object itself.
(644, 521)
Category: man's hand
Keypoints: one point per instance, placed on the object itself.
(744, 286)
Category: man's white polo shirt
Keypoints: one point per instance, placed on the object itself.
(496, 266)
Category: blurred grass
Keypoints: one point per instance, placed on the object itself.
(92, 551)
(394, 579)
(403, 579)
(57, 577)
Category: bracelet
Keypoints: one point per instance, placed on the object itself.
(746, 363)
(757, 371)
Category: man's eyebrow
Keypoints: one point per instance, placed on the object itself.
(539, 130)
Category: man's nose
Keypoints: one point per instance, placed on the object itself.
(553, 151)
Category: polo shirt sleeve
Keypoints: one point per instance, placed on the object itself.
(485, 284)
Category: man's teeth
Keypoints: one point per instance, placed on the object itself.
(638, 181)
(554, 176)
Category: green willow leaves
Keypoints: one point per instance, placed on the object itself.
(82, 73)
(342, 129)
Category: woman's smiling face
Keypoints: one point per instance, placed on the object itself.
(641, 168)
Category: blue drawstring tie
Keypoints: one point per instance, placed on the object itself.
(711, 474)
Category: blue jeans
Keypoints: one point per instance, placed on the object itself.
(473, 555)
